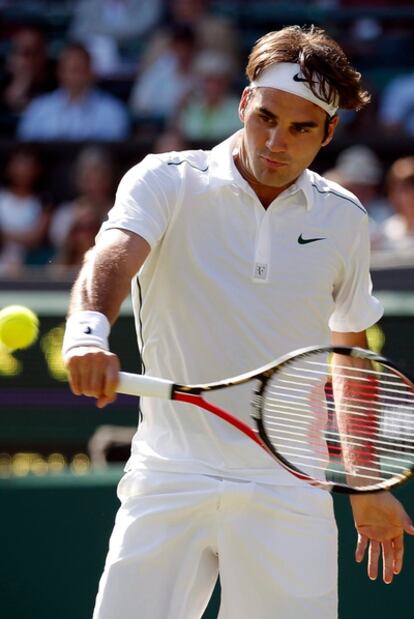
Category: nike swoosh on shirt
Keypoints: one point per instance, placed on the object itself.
(303, 241)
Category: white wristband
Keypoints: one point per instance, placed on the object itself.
(86, 328)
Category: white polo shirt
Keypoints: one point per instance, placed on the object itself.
(229, 286)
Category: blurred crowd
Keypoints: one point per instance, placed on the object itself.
(96, 72)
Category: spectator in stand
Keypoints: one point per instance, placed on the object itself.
(397, 232)
(211, 113)
(77, 110)
(24, 213)
(169, 140)
(396, 112)
(359, 170)
(109, 27)
(80, 237)
(94, 184)
(212, 32)
(28, 71)
(160, 89)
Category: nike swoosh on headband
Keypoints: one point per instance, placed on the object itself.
(298, 78)
(303, 241)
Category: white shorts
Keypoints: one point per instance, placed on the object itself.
(275, 549)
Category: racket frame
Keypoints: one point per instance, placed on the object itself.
(134, 384)
(257, 415)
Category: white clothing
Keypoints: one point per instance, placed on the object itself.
(161, 88)
(123, 20)
(394, 235)
(277, 560)
(228, 287)
(96, 116)
(17, 216)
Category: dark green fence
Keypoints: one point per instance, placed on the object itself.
(54, 532)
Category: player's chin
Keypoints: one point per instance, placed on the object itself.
(275, 179)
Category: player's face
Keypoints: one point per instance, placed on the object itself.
(282, 135)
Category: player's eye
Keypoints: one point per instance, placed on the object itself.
(268, 120)
(301, 129)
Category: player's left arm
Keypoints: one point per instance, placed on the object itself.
(379, 518)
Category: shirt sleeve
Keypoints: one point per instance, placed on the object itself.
(144, 200)
(356, 308)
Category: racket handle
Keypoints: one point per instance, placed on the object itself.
(136, 384)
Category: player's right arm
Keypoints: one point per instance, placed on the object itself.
(102, 285)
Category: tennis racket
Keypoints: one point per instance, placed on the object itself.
(339, 418)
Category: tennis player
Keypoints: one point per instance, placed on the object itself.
(236, 256)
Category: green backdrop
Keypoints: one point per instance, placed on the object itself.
(54, 532)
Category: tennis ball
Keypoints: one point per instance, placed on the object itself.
(19, 327)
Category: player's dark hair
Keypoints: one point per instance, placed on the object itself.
(321, 61)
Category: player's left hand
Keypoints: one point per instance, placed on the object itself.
(381, 522)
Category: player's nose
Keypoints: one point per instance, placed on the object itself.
(276, 140)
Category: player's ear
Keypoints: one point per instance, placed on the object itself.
(332, 125)
(246, 94)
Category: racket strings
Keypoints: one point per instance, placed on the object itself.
(277, 417)
(385, 386)
(357, 406)
(353, 425)
(353, 440)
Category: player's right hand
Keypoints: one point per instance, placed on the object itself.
(93, 372)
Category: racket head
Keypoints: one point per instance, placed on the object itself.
(341, 418)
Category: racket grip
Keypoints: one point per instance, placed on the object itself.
(138, 385)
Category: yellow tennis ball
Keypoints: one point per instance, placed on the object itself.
(19, 327)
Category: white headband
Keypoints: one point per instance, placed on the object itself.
(286, 76)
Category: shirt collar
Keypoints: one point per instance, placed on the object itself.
(223, 171)
(303, 183)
